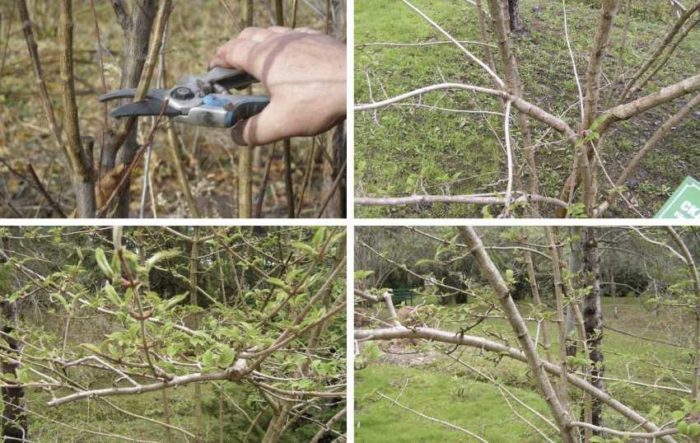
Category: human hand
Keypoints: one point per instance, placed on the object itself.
(305, 74)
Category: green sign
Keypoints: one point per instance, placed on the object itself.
(684, 203)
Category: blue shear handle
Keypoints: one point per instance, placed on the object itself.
(245, 107)
(238, 107)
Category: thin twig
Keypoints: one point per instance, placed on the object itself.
(259, 200)
(40, 187)
(127, 172)
(433, 419)
(308, 173)
(334, 188)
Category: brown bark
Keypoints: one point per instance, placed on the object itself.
(695, 277)
(82, 174)
(670, 35)
(593, 318)
(660, 133)
(667, 55)
(13, 421)
(38, 73)
(624, 112)
(489, 270)
(536, 292)
(120, 140)
(335, 146)
(514, 19)
(559, 296)
(643, 104)
(197, 396)
(595, 61)
(513, 83)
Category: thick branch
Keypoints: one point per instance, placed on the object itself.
(595, 62)
(520, 104)
(629, 110)
(660, 49)
(232, 373)
(648, 146)
(489, 270)
(82, 169)
(465, 199)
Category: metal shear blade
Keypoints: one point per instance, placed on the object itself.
(117, 94)
(145, 107)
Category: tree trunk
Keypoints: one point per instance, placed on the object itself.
(120, 141)
(335, 139)
(516, 22)
(593, 318)
(277, 425)
(489, 270)
(14, 421)
(534, 289)
(695, 278)
(197, 395)
(575, 268)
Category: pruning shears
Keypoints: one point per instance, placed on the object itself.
(201, 100)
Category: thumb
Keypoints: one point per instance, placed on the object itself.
(267, 127)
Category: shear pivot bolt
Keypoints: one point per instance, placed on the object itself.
(182, 93)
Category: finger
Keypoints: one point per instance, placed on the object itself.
(217, 61)
(308, 31)
(279, 29)
(267, 127)
(237, 53)
(254, 34)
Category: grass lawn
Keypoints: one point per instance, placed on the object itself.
(451, 392)
(409, 149)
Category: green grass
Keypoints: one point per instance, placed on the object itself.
(453, 393)
(405, 150)
(476, 406)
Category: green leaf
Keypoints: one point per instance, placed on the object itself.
(175, 300)
(694, 429)
(677, 415)
(209, 360)
(361, 275)
(226, 357)
(61, 299)
(510, 277)
(160, 256)
(92, 348)
(23, 375)
(173, 349)
(278, 282)
(319, 235)
(112, 295)
(304, 247)
(102, 262)
(654, 411)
